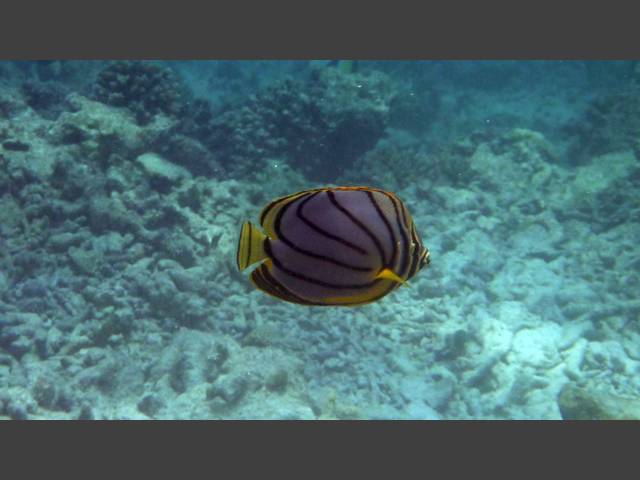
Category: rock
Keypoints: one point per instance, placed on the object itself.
(17, 412)
(454, 345)
(10, 104)
(61, 242)
(86, 413)
(261, 336)
(99, 130)
(84, 262)
(189, 153)
(34, 287)
(25, 263)
(158, 167)
(18, 403)
(165, 217)
(18, 332)
(187, 280)
(45, 97)
(150, 404)
(190, 360)
(227, 391)
(115, 375)
(72, 134)
(536, 347)
(578, 403)
(4, 282)
(49, 394)
(434, 391)
(181, 248)
(109, 214)
(50, 344)
(277, 381)
(599, 175)
(15, 146)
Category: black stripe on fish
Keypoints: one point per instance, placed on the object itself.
(315, 281)
(258, 278)
(405, 239)
(392, 236)
(269, 284)
(309, 253)
(416, 252)
(238, 249)
(374, 239)
(275, 203)
(322, 231)
(249, 243)
(404, 216)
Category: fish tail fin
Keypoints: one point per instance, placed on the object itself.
(250, 246)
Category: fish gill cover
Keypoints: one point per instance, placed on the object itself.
(124, 185)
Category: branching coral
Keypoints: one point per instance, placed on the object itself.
(144, 88)
(398, 167)
(45, 97)
(333, 118)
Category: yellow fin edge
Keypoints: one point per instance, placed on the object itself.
(390, 275)
(250, 246)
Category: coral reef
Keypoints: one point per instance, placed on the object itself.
(331, 119)
(578, 403)
(47, 98)
(144, 88)
(609, 124)
(10, 104)
(385, 166)
(119, 295)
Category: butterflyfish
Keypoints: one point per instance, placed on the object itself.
(342, 246)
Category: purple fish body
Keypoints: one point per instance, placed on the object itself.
(333, 246)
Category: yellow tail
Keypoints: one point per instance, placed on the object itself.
(250, 246)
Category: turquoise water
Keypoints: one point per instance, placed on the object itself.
(123, 187)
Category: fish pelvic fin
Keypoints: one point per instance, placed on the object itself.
(250, 246)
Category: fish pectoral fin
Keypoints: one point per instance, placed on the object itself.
(250, 246)
(390, 275)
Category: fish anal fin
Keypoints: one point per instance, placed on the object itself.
(389, 274)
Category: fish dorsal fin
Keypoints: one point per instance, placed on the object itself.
(270, 212)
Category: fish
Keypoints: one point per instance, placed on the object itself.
(332, 246)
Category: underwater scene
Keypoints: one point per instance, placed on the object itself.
(323, 239)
